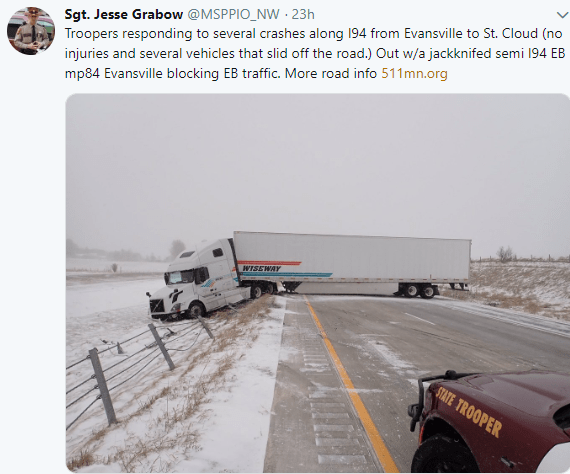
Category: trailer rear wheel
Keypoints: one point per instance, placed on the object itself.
(427, 292)
(256, 291)
(270, 288)
(411, 291)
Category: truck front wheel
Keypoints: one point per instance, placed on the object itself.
(442, 454)
(196, 309)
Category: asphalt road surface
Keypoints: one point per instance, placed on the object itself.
(383, 345)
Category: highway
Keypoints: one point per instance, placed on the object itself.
(381, 345)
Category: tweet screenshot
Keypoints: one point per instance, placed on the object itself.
(299, 237)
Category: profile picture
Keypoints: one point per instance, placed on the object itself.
(31, 31)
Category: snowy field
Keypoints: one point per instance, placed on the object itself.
(537, 287)
(92, 265)
(210, 414)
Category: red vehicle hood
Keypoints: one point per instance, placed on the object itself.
(535, 393)
(540, 399)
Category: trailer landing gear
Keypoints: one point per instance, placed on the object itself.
(291, 286)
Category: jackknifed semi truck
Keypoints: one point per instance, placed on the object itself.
(214, 274)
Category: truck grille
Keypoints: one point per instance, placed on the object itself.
(156, 306)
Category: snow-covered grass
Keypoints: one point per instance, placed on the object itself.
(538, 287)
(210, 414)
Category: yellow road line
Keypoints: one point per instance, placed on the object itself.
(377, 442)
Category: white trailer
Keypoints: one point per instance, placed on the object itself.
(214, 274)
(341, 264)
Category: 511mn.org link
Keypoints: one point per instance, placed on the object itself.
(263, 73)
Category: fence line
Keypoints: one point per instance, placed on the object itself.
(180, 336)
(98, 397)
(82, 383)
(77, 399)
(102, 385)
(135, 374)
(550, 259)
(77, 363)
(184, 350)
(99, 371)
(131, 366)
(128, 357)
(125, 341)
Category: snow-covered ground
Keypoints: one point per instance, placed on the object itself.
(91, 265)
(537, 287)
(210, 414)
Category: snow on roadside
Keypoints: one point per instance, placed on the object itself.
(538, 287)
(157, 431)
(234, 438)
(84, 300)
(104, 311)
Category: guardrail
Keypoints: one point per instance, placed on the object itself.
(158, 345)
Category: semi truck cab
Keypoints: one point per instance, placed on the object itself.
(199, 280)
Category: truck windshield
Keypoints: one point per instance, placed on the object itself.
(186, 276)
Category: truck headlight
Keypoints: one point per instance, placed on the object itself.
(175, 308)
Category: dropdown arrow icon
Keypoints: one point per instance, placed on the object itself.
(561, 15)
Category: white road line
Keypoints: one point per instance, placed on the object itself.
(429, 322)
(327, 405)
(330, 415)
(333, 428)
(337, 442)
(340, 459)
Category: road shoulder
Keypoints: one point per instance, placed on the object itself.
(313, 427)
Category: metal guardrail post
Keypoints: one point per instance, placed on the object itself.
(161, 345)
(102, 385)
(205, 326)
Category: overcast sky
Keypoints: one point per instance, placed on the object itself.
(143, 170)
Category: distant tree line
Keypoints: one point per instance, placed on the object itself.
(506, 254)
(74, 250)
